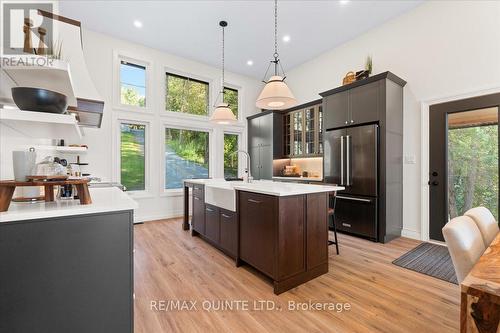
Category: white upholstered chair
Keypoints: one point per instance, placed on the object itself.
(485, 222)
(465, 244)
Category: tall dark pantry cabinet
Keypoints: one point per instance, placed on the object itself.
(363, 138)
(264, 143)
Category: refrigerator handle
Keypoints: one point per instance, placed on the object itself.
(348, 160)
(342, 160)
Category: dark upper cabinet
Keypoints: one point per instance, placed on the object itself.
(336, 110)
(302, 135)
(355, 106)
(212, 225)
(264, 143)
(260, 131)
(266, 125)
(254, 139)
(364, 103)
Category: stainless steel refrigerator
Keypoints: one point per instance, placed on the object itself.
(351, 160)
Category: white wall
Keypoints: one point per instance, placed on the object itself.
(442, 48)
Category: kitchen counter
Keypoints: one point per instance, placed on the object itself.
(103, 200)
(268, 187)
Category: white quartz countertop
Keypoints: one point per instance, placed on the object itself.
(103, 200)
(268, 187)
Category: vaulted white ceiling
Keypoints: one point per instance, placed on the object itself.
(190, 28)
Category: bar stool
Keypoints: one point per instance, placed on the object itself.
(331, 213)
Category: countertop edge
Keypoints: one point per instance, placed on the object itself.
(104, 200)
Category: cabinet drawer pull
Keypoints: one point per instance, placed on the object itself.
(209, 209)
(196, 198)
(254, 201)
(197, 188)
(226, 216)
(346, 225)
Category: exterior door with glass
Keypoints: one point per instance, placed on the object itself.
(463, 159)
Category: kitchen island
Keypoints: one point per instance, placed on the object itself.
(280, 229)
(68, 267)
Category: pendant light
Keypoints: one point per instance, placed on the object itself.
(276, 95)
(222, 113)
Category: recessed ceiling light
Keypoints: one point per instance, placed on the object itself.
(137, 24)
(250, 62)
(344, 2)
(286, 38)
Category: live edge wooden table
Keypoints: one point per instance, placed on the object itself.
(480, 299)
(7, 188)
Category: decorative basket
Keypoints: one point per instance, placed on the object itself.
(350, 77)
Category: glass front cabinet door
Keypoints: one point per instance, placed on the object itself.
(302, 132)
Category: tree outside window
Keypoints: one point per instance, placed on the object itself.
(186, 95)
(231, 98)
(132, 84)
(230, 155)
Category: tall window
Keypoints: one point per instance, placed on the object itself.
(132, 156)
(230, 155)
(186, 156)
(186, 95)
(132, 84)
(231, 98)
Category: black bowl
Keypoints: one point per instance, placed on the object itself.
(38, 99)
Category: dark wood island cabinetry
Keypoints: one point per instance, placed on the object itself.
(282, 235)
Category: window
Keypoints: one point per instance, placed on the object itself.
(132, 84)
(186, 155)
(186, 95)
(230, 156)
(231, 98)
(132, 156)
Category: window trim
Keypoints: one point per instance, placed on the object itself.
(197, 78)
(146, 193)
(118, 57)
(240, 147)
(182, 126)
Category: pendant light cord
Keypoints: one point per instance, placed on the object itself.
(276, 55)
(222, 83)
(276, 61)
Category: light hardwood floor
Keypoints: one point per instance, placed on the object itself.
(170, 264)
